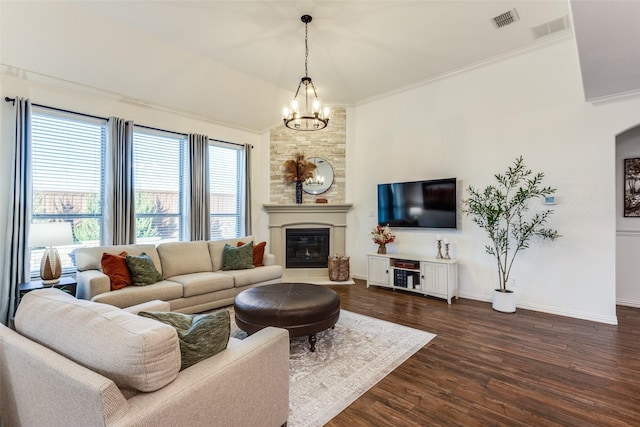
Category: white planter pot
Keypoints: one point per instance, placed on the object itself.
(504, 301)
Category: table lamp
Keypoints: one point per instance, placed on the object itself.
(48, 235)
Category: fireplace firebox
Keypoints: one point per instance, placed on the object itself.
(307, 247)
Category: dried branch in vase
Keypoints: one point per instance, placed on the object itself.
(298, 170)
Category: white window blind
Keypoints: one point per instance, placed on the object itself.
(158, 180)
(226, 187)
(68, 178)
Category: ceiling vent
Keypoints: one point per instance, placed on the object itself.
(551, 27)
(509, 17)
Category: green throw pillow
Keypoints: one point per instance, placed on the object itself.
(200, 335)
(143, 271)
(237, 258)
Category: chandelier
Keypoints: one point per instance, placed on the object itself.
(313, 116)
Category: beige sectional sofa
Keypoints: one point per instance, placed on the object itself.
(193, 280)
(74, 362)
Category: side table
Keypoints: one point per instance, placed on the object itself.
(66, 284)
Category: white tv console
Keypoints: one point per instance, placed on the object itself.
(422, 275)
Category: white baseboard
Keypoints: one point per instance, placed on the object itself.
(628, 302)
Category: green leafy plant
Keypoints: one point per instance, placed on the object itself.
(502, 210)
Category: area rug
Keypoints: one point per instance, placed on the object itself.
(348, 361)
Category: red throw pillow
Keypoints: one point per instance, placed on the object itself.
(115, 266)
(258, 253)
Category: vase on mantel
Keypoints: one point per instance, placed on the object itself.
(382, 248)
(298, 192)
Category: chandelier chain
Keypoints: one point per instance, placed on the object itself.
(306, 49)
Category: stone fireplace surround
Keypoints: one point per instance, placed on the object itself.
(307, 215)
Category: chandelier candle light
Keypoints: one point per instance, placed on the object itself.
(314, 116)
(381, 235)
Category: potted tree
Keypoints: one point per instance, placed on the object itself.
(502, 210)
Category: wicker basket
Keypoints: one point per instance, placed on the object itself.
(338, 268)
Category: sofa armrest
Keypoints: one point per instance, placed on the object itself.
(155, 305)
(269, 259)
(245, 385)
(91, 283)
(41, 387)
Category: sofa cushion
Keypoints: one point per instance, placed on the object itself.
(255, 275)
(142, 270)
(203, 283)
(258, 253)
(216, 248)
(200, 335)
(237, 258)
(134, 352)
(90, 258)
(115, 266)
(164, 290)
(184, 257)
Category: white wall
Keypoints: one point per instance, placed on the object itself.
(627, 229)
(473, 125)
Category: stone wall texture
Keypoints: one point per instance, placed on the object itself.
(329, 143)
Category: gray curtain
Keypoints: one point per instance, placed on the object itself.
(119, 213)
(16, 267)
(247, 186)
(199, 222)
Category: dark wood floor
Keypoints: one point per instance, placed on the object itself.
(493, 369)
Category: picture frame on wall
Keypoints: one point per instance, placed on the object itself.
(632, 187)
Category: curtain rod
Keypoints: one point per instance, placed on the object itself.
(13, 101)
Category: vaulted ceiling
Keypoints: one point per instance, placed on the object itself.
(358, 50)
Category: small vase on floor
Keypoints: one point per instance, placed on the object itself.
(298, 192)
(382, 248)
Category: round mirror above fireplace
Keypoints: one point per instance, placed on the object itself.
(322, 177)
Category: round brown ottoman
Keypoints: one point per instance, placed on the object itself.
(301, 308)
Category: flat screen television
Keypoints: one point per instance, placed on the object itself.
(418, 204)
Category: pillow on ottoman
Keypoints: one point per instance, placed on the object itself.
(200, 335)
(135, 353)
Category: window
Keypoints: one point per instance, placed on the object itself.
(158, 180)
(227, 188)
(67, 178)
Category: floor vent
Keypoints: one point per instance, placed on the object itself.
(504, 19)
(551, 27)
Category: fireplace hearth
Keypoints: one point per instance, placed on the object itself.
(307, 247)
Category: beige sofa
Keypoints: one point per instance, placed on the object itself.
(74, 362)
(193, 280)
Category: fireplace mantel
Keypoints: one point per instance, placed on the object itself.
(308, 207)
(306, 215)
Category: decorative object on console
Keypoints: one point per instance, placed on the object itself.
(446, 249)
(297, 171)
(439, 239)
(313, 117)
(321, 200)
(502, 210)
(381, 235)
(48, 235)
